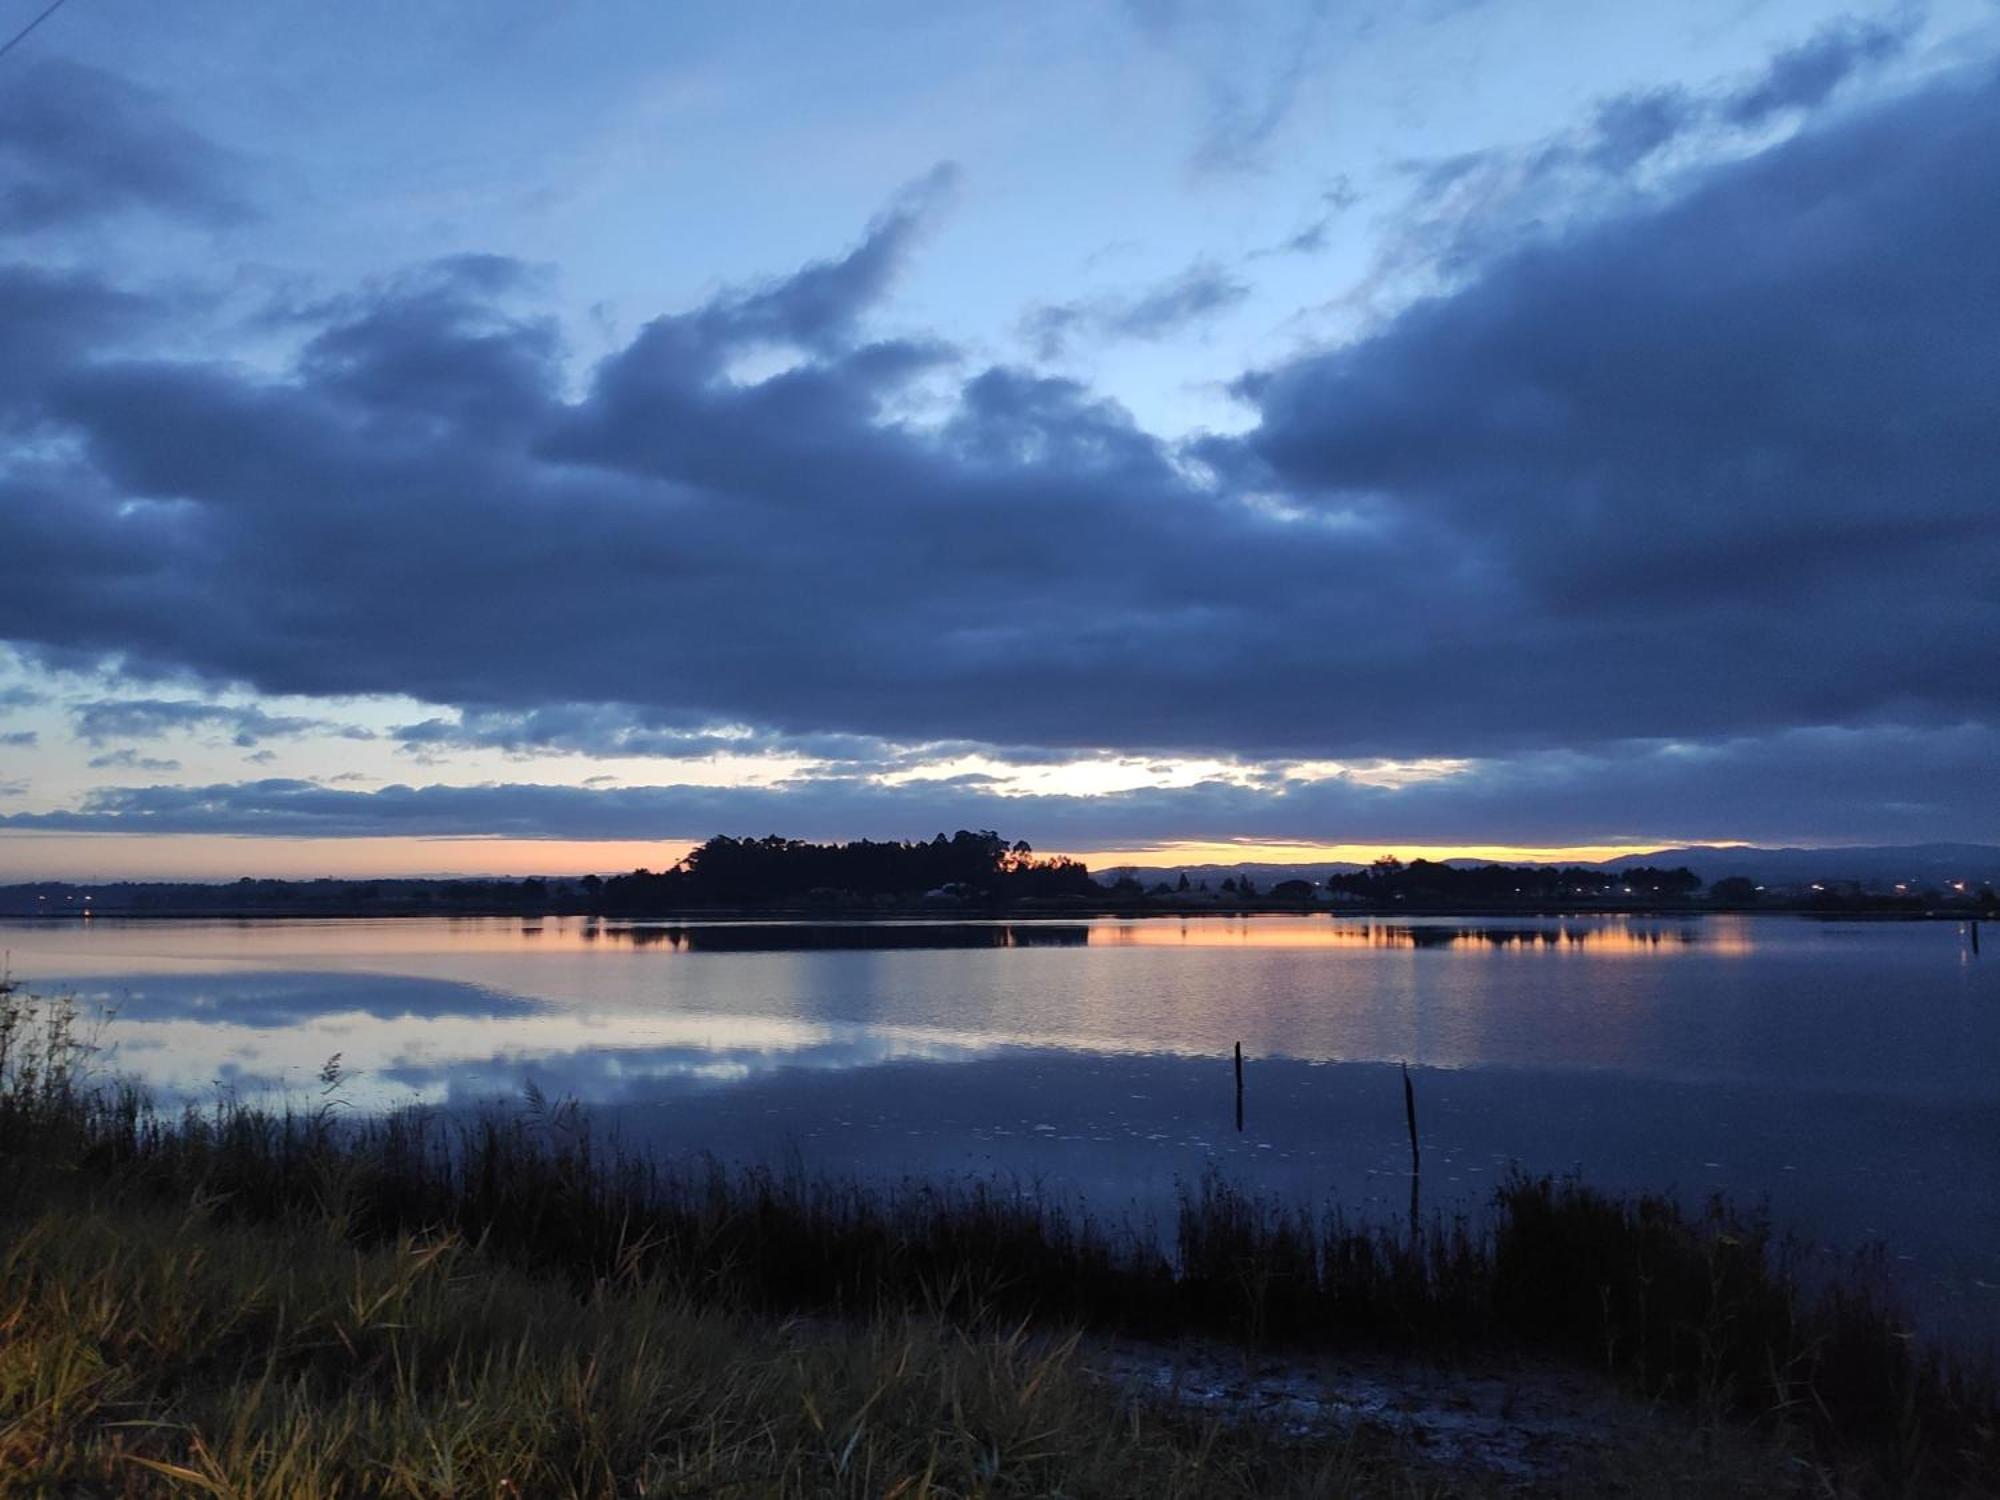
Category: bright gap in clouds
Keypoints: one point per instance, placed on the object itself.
(1103, 775)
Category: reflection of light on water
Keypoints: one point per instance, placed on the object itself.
(383, 945)
(1597, 935)
(1605, 936)
(413, 1003)
(1843, 1060)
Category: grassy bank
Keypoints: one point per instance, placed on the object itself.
(298, 1304)
(152, 1352)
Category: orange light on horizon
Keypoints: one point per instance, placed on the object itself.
(88, 857)
(200, 857)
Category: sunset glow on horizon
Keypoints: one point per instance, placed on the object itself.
(85, 858)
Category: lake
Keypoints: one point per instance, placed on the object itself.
(1845, 1072)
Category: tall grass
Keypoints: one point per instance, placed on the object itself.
(1705, 1309)
(149, 1352)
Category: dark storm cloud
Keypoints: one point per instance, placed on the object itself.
(48, 321)
(1754, 425)
(1710, 469)
(435, 342)
(78, 144)
(1823, 783)
(1201, 291)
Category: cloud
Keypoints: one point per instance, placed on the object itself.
(19, 738)
(437, 342)
(615, 729)
(1805, 76)
(131, 760)
(1630, 128)
(1798, 784)
(818, 306)
(1200, 292)
(1313, 236)
(1749, 419)
(1467, 210)
(1714, 466)
(150, 718)
(79, 144)
(1250, 91)
(52, 320)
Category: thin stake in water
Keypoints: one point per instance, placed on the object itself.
(1410, 1113)
(1239, 1088)
(1416, 1161)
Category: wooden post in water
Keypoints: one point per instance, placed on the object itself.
(1416, 1161)
(1410, 1114)
(1975, 937)
(1239, 1088)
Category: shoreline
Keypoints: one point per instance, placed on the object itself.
(1268, 1323)
(805, 915)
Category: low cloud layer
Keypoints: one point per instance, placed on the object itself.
(99, 722)
(1821, 785)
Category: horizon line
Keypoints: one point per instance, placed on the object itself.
(221, 858)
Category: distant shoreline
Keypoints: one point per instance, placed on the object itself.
(1884, 911)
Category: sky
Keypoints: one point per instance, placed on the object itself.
(530, 439)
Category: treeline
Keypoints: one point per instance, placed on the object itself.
(967, 868)
(1429, 882)
(971, 871)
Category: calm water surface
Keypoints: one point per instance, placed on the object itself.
(1847, 1072)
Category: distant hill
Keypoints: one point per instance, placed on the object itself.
(1871, 864)
(1926, 864)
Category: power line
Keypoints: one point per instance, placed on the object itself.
(22, 35)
